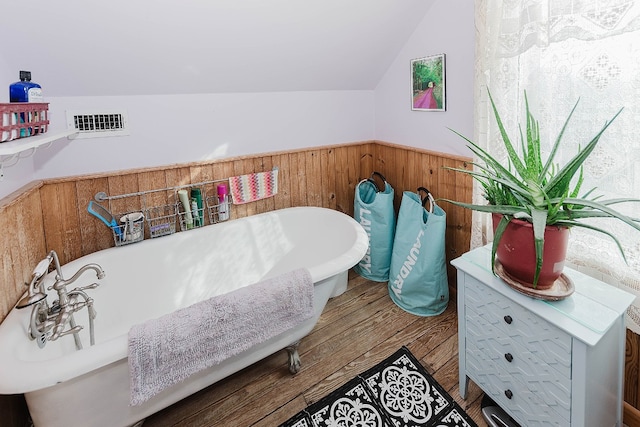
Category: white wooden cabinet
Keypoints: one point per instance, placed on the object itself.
(546, 363)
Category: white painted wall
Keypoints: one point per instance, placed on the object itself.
(126, 48)
(448, 27)
(20, 173)
(169, 127)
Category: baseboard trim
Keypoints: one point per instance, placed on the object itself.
(630, 415)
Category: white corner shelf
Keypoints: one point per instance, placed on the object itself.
(11, 148)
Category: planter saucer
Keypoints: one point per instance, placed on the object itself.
(561, 288)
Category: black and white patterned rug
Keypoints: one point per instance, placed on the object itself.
(398, 392)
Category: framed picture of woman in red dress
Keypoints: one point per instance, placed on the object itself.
(427, 84)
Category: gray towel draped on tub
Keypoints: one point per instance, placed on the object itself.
(167, 350)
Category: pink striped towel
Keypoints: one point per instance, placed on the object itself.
(254, 186)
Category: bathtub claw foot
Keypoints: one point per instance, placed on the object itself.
(294, 358)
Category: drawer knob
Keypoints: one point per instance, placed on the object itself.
(508, 319)
(508, 393)
(509, 357)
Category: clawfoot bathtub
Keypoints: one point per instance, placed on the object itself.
(90, 387)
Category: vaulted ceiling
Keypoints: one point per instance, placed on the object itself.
(136, 47)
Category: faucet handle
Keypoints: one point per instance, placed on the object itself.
(58, 286)
(42, 267)
(73, 330)
(91, 286)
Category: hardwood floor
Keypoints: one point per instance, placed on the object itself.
(357, 330)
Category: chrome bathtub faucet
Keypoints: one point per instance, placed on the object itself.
(47, 322)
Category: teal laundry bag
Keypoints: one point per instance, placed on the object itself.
(373, 209)
(418, 273)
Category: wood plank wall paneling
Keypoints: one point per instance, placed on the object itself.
(21, 218)
(632, 370)
(22, 244)
(406, 169)
(94, 234)
(53, 214)
(283, 199)
(344, 197)
(61, 216)
(325, 176)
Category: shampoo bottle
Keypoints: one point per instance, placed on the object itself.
(196, 195)
(223, 203)
(25, 90)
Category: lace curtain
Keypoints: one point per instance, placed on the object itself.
(559, 51)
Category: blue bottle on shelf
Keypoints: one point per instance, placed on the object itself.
(25, 90)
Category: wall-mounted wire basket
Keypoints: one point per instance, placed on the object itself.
(190, 221)
(217, 212)
(161, 220)
(192, 215)
(129, 230)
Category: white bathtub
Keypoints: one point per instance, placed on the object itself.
(90, 387)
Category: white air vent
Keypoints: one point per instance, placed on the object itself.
(98, 124)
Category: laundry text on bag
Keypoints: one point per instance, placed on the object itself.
(406, 268)
(365, 263)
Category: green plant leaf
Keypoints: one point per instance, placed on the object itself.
(598, 229)
(540, 191)
(558, 184)
(501, 209)
(497, 236)
(539, 221)
(598, 206)
(531, 152)
(549, 163)
(511, 152)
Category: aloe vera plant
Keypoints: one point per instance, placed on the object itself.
(538, 191)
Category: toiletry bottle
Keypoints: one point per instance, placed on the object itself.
(194, 212)
(9, 119)
(223, 203)
(188, 218)
(25, 90)
(196, 195)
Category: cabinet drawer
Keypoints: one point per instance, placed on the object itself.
(511, 322)
(534, 359)
(523, 366)
(532, 404)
